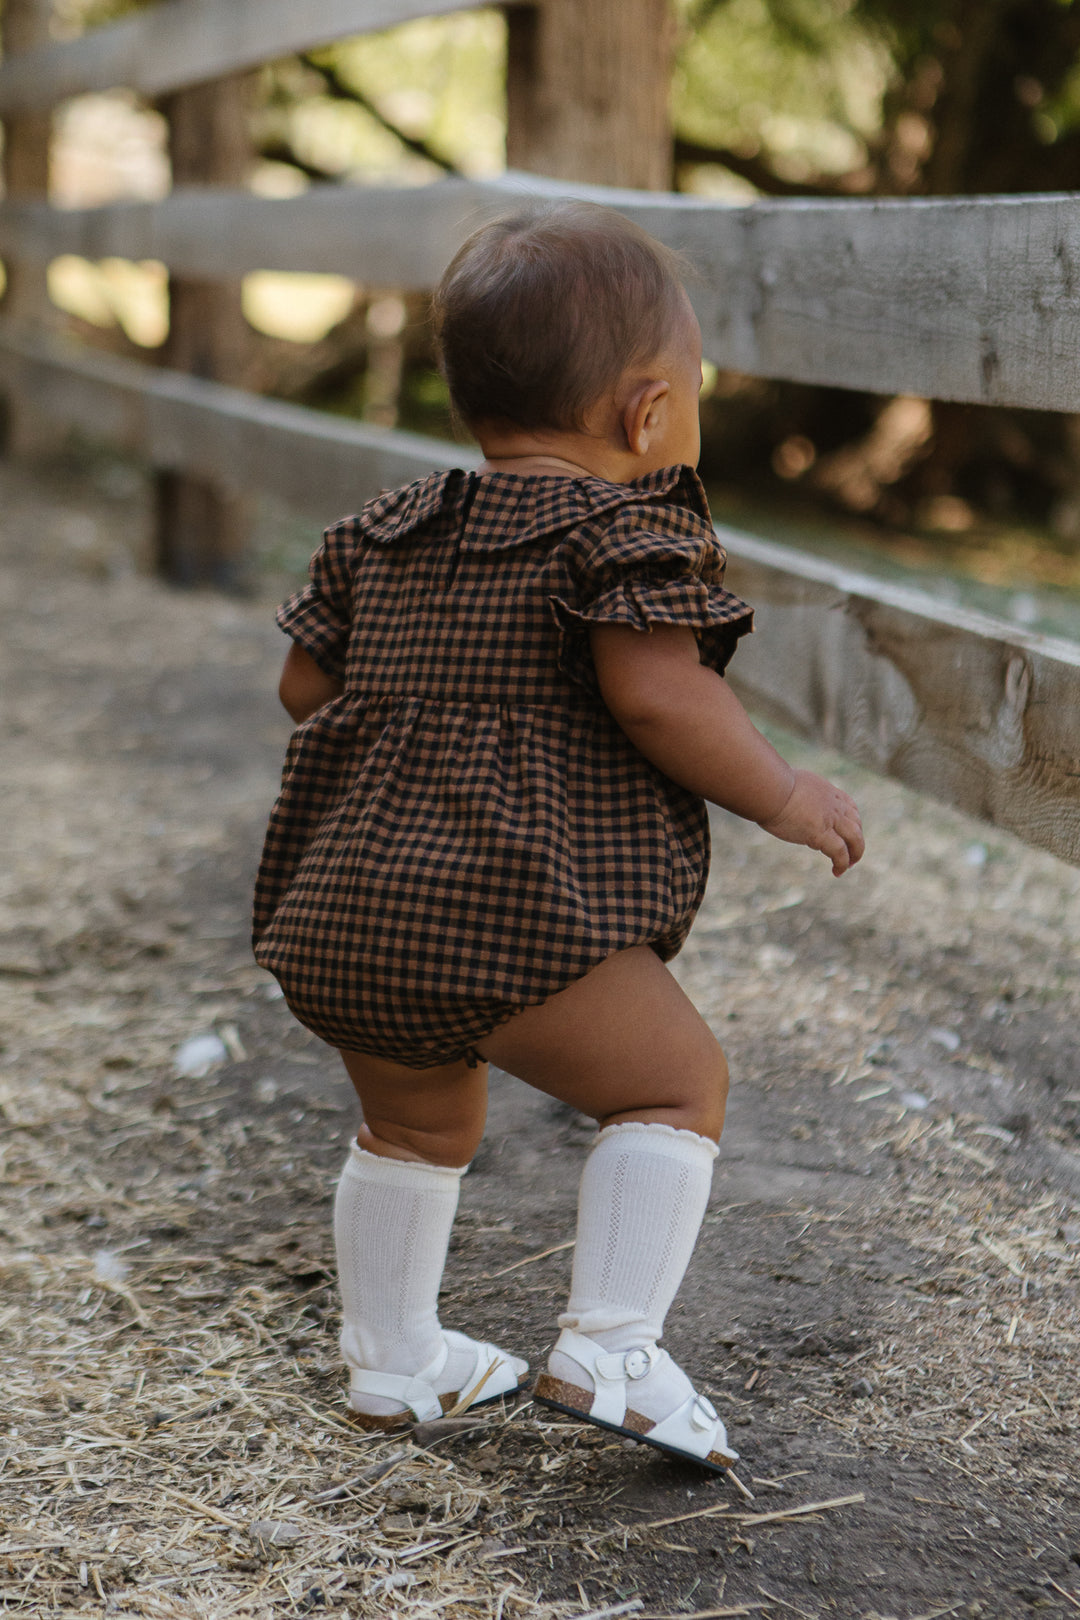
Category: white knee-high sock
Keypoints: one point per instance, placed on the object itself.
(392, 1223)
(643, 1194)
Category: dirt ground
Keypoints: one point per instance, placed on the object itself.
(883, 1303)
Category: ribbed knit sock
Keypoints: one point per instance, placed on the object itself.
(392, 1223)
(643, 1194)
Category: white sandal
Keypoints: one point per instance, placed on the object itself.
(693, 1431)
(493, 1374)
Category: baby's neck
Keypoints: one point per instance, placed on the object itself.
(545, 453)
(539, 465)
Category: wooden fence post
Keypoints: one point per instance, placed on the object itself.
(588, 90)
(203, 529)
(26, 178)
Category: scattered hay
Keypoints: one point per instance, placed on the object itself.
(984, 1339)
(167, 1461)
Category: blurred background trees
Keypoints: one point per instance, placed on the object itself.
(889, 98)
(771, 98)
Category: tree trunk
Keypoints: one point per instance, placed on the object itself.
(588, 91)
(202, 530)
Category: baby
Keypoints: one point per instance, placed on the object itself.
(492, 831)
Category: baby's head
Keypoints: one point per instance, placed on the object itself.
(570, 324)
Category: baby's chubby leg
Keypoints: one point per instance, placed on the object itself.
(393, 1213)
(625, 1045)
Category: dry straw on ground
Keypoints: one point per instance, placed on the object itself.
(176, 1453)
(178, 1447)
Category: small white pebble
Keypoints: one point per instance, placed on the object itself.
(914, 1100)
(108, 1267)
(275, 1532)
(976, 855)
(199, 1055)
(948, 1038)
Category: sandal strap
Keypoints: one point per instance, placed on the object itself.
(693, 1427)
(413, 1390)
(610, 1371)
(415, 1393)
(492, 1374)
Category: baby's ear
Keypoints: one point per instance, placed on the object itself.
(643, 415)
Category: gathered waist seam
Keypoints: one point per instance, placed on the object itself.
(526, 705)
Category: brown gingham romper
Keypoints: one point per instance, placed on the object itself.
(466, 830)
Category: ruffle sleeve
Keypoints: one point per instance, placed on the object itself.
(319, 617)
(632, 572)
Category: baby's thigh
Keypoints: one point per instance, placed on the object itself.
(624, 1042)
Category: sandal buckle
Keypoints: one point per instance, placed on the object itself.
(702, 1414)
(639, 1363)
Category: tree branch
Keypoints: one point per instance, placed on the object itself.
(340, 90)
(276, 149)
(755, 170)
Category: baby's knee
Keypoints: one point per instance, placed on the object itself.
(451, 1149)
(711, 1091)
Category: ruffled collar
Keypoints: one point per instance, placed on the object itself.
(504, 509)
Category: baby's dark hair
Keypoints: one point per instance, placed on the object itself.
(539, 314)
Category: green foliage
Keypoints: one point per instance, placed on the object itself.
(799, 82)
(437, 80)
(76, 16)
(440, 78)
(891, 96)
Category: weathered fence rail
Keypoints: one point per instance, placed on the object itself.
(954, 703)
(972, 299)
(975, 300)
(185, 42)
(951, 702)
(315, 462)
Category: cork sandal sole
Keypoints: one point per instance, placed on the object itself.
(393, 1422)
(575, 1402)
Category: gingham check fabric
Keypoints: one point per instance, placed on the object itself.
(466, 830)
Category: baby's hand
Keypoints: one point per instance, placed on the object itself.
(822, 817)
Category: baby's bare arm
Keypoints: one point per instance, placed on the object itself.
(304, 687)
(687, 720)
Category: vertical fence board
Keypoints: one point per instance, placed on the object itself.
(202, 528)
(588, 88)
(26, 179)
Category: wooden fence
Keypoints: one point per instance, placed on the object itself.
(974, 300)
